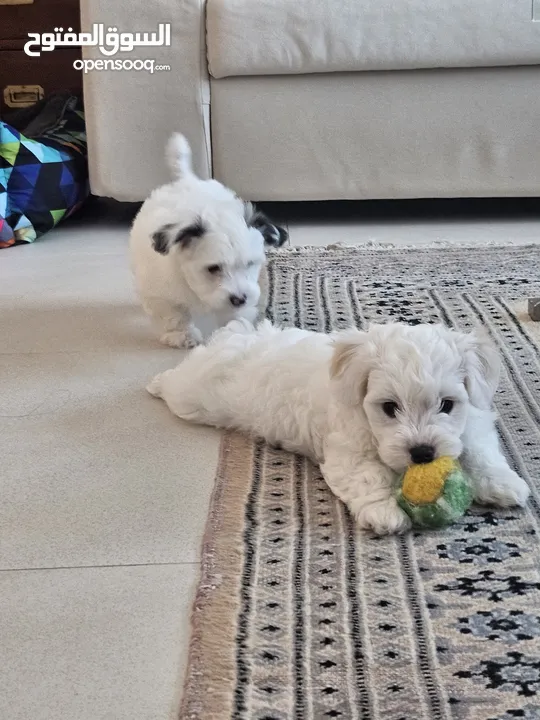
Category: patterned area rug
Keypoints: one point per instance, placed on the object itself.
(301, 617)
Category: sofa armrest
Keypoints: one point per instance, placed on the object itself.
(130, 114)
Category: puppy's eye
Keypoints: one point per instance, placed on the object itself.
(214, 269)
(447, 406)
(390, 409)
(251, 263)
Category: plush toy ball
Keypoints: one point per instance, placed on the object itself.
(436, 494)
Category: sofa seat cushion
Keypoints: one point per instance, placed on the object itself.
(277, 37)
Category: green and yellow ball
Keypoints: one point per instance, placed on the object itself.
(436, 494)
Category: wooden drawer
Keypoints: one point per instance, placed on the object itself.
(17, 71)
(16, 21)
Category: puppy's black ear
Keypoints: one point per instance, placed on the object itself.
(274, 235)
(161, 239)
(169, 235)
(186, 235)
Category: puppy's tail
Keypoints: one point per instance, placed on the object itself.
(179, 156)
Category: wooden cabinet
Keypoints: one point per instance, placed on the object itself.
(24, 79)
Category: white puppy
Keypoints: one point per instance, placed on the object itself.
(362, 404)
(197, 248)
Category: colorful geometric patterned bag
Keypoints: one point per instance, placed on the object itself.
(43, 178)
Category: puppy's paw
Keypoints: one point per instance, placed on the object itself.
(504, 488)
(182, 338)
(154, 386)
(384, 517)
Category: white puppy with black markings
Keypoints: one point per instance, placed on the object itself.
(362, 404)
(198, 249)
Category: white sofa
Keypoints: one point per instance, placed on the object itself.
(324, 99)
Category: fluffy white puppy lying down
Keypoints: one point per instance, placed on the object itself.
(364, 405)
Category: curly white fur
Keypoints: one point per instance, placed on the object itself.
(198, 249)
(358, 403)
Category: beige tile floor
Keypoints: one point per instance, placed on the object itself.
(104, 494)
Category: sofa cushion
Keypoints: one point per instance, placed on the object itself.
(267, 37)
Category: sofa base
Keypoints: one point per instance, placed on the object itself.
(376, 135)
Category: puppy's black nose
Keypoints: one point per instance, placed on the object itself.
(422, 454)
(238, 300)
